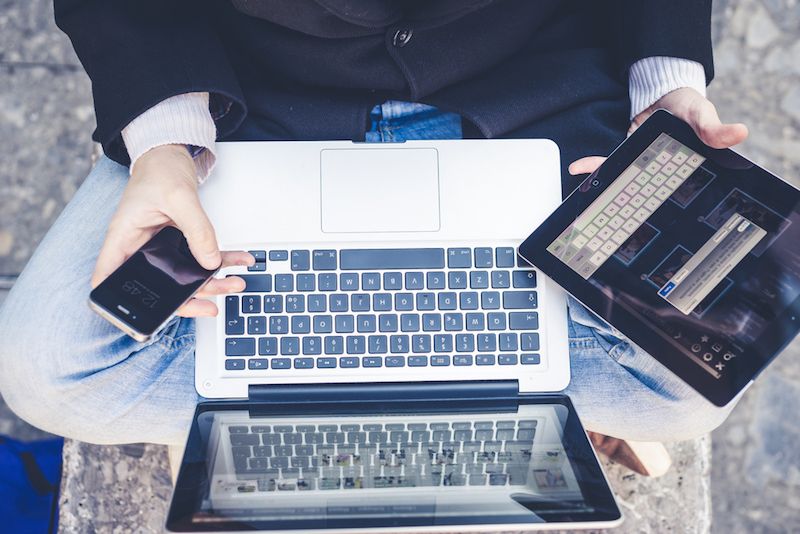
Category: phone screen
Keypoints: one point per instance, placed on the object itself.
(153, 283)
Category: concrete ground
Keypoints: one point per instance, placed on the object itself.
(46, 118)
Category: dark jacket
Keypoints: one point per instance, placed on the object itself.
(312, 69)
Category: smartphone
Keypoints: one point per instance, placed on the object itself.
(146, 291)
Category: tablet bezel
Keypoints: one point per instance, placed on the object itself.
(534, 250)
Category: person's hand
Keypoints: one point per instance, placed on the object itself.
(693, 108)
(162, 191)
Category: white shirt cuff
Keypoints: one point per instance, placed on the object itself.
(652, 77)
(179, 120)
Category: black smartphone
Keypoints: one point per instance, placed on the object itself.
(146, 291)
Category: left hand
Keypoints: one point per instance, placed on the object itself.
(693, 108)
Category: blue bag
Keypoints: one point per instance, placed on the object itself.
(30, 474)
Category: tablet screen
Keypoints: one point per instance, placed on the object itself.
(704, 255)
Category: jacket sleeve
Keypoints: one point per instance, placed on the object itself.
(138, 53)
(678, 28)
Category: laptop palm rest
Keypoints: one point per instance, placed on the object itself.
(379, 190)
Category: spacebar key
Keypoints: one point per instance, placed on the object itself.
(392, 258)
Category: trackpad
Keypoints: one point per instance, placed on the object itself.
(380, 190)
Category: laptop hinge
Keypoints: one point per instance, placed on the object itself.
(390, 396)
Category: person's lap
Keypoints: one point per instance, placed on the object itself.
(66, 370)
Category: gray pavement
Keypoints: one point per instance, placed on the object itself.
(46, 119)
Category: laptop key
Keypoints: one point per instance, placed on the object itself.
(267, 346)
(523, 320)
(239, 440)
(278, 324)
(234, 325)
(300, 260)
(487, 342)
(447, 301)
(324, 260)
(317, 303)
(529, 341)
(306, 282)
(398, 344)
(356, 345)
(387, 322)
(392, 281)
(348, 281)
(370, 281)
(496, 321)
(459, 258)
(374, 259)
(345, 324)
(327, 281)
(256, 283)
(443, 343)
(278, 255)
(507, 359)
(326, 363)
(440, 360)
(461, 360)
(371, 361)
(519, 300)
(301, 324)
(257, 364)
(334, 345)
(234, 365)
(457, 280)
(435, 280)
(251, 304)
(323, 324)
(479, 279)
(415, 280)
(524, 279)
(348, 362)
(359, 302)
(465, 342)
(366, 323)
(530, 359)
(240, 346)
(290, 346)
(312, 346)
(378, 345)
(403, 301)
(468, 300)
(295, 303)
(273, 304)
(484, 359)
(483, 257)
(280, 363)
(417, 361)
(490, 300)
(338, 302)
(395, 361)
(475, 321)
(421, 343)
(501, 279)
(505, 256)
(284, 283)
(258, 266)
(431, 322)
(409, 322)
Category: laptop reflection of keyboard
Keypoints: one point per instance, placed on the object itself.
(382, 455)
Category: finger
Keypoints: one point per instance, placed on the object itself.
(190, 218)
(221, 286)
(586, 165)
(198, 308)
(120, 243)
(231, 258)
(709, 128)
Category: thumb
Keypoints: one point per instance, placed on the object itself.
(188, 215)
(705, 121)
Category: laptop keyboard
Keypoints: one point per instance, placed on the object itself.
(382, 455)
(383, 308)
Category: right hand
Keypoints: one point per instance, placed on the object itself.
(162, 191)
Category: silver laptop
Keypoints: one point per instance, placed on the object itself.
(392, 364)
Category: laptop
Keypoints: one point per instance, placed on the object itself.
(392, 364)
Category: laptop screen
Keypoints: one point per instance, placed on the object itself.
(305, 471)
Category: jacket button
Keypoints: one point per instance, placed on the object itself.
(402, 37)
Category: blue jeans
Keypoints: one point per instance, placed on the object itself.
(66, 370)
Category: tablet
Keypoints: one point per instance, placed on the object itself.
(690, 252)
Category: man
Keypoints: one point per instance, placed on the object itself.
(171, 77)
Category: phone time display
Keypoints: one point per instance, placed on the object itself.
(145, 297)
